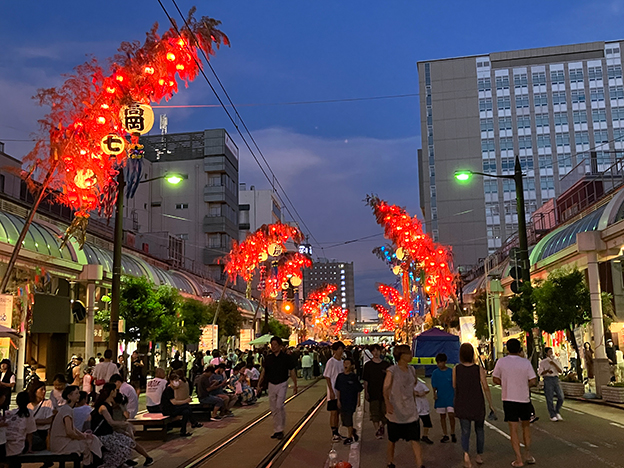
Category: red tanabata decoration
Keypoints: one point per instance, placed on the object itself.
(387, 319)
(407, 233)
(315, 300)
(395, 298)
(323, 313)
(289, 265)
(245, 257)
(86, 108)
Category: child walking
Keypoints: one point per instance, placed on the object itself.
(420, 392)
(401, 410)
(444, 395)
(348, 388)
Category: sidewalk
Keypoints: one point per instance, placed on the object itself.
(595, 401)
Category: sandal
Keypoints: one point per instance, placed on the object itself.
(513, 463)
(531, 461)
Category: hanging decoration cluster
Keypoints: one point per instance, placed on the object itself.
(317, 299)
(387, 320)
(402, 307)
(268, 241)
(326, 317)
(98, 114)
(288, 272)
(413, 244)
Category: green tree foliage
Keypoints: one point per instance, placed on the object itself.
(277, 328)
(169, 298)
(229, 319)
(140, 308)
(608, 311)
(194, 315)
(562, 303)
(479, 310)
(521, 306)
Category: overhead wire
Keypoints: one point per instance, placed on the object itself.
(274, 179)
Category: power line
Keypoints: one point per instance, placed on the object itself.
(294, 103)
(271, 181)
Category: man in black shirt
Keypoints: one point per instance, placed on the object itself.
(276, 368)
(373, 375)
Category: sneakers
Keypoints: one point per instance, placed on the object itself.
(348, 441)
(217, 417)
(278, 435)
(554, 419)
(356, 437)
(380, 433)
(149, 461)
(559, 418)
(445, 439)
(453, 438)
(426, 440)
(336, 438)
(533, 419)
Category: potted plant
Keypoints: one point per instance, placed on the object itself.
(572, 386)
(614, 392)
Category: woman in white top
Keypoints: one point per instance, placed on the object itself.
(20, 427)
(43, 413)
(65, 438)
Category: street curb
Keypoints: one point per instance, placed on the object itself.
(595, 401)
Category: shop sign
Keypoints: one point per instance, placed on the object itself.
(6, 319)
(246, 335)
(209, 339)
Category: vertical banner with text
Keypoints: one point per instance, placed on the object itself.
(6, 318)
(246, 335)
(209, 338)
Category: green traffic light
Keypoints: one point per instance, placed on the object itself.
(463, 176)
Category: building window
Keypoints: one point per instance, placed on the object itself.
(484, 84)
(599, 115)
(543, 141)
(526, 163)
(614, 71)
(581, 138)
(616, 92)
(540, 100)
(557, 77)
(525, 121)
(183, 236)
(577, 95)
(561, 118)
(490, 186)
(596, 94)
(545, 162)
(487, 146)
(525, 142)
(214, 180)
(503, 103)
(214, 209)
(502, 82)
(601, 137)
(562, 139)
(522, 100)
(506, 144)
(564, 161)
(214, 241)
(576, 75)
(487, 125)
(181, 206)
(559, 97)
(507, 164)
(547, 183)
(542, 120)
(489, 165)
(521, 80)
(539, 78)
(594, 73)
(579, 117)
(504, 123)
(485, 105)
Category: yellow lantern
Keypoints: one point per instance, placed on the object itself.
(137, 118)
(296, 281)
(400, 254)
(85, 178)
(112, 144)
(274, 250)
(285, 285)
(326, 300)
(396, 270)
(263, 256)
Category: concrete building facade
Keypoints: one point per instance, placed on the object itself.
(197, 219)
(255, 208)
(550, 107)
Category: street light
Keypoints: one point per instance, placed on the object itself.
(465, 176)
(113, 336)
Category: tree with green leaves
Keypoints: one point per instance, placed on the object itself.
(140, 308)
(521, 306)
(229, 319)
(194, 315)
(169, 298)
(479, 310)
(562, 303)
(277, 328)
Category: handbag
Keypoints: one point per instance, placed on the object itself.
(100, 382)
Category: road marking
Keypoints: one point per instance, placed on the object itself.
(590, 444)
(503, 433)
(354, 450)
(572, 410)
(617, 425)
(580, 449)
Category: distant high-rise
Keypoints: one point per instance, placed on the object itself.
(549, 106)
(257, 207)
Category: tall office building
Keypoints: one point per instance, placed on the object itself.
(549, 106)
(332, 272)
(199, 216)
(255, 208)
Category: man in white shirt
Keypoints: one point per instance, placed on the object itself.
(129, 392)
(306, 365)
(154, 390)
(103, 371)
(515, 375)
(334, 367)
(550, 368)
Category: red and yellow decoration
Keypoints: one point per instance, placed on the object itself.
(82, 144)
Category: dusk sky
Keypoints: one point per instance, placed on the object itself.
(327, 156)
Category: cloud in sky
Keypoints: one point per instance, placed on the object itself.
(328, 179)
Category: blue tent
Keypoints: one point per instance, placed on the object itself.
(435, 341)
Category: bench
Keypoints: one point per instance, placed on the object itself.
(45, 456)
(154, 420)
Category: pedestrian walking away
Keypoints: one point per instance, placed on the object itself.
(444, 395)
(515, 375)
(348, 388)
(401, 410)
(549, 369)
(422, 403)
(306, 365)
(373, 375)
(470, 384)
(332, 369)
(276, 368)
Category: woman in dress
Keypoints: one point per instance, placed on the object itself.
(43, 412)
(114, 436)
(469, 381)
(65, 438)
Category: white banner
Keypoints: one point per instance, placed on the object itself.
(210, 338)
(6, 319)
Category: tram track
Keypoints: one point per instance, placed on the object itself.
(277, 449)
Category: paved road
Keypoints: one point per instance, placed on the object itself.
(589, 436)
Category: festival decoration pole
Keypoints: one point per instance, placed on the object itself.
(27, 223)
(113, 335)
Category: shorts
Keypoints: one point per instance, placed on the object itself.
(426, 420)
(377, 410)
(407, 432)
(515, 411)
(332, 405)
(212, 400)
(347, 418)
(445, 409)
